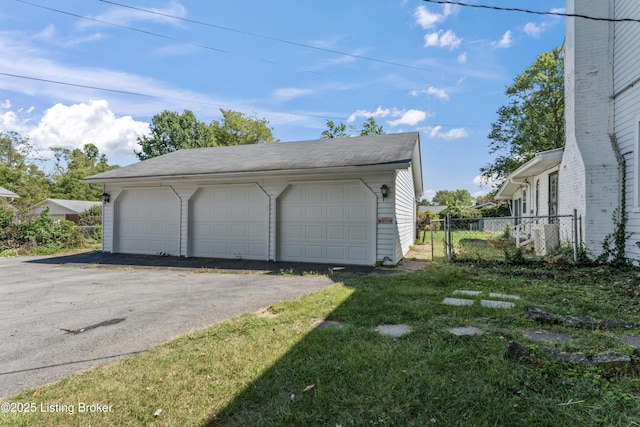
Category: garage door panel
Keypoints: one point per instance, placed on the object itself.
(231, 220)
(313, 213)
(314, 232)
(148, 221)
(359, 233)
(327, 222)
(357, 253)
(336, 213)
(359, 213)
(314, 253)
(336, 232)
(336, 253)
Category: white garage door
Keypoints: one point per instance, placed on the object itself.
(148, 222)
(327, 222)
(230, 221)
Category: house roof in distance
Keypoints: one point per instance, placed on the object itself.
(7, 193)
(297, 157)
(75, 206)
(541, 162)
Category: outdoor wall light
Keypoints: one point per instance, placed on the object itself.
(105, 197)
(384, 190)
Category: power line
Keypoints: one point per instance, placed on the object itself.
(146, 95)
(121, 26)
(265, 37)
(533, 12)
(77, 85)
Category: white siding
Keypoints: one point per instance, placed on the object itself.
(589, 174)
(627, 113)
(405, 207)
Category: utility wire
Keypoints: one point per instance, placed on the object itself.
(265, 37)
(534, 12)
(121, 26)
(146, 95)
(126, 92)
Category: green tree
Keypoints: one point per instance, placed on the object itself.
(369, 127)
(71, 166)
(334, 131)
(240, 129)
(171, 131)
(451, 198)
(18, 170)
(532, 121)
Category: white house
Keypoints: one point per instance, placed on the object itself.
(7, 194)
(532, 189)
(348, 201)
(599, 171)
(602, 112)
(63, 209)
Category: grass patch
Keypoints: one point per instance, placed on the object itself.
(254, 369)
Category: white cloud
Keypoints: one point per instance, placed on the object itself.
(462, 58)
(6, 104)
(505, 41)
(73, 126)
(409, 117)
(432, 91)
(559, 10)
(288, 93)
(483, 181)
(455, 133)
(442, 39)
(534, 30)
(124, 16)
(403, 117)
(427, 19)
(379, 112)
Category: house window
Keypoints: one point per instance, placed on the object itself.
(553, 195)
(524, 202)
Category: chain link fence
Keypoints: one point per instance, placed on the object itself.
(503, 237)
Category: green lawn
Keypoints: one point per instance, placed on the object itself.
(254, 369)
(470, 245)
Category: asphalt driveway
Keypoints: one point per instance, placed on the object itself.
(57, 319)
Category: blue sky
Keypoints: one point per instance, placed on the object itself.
(413, 65)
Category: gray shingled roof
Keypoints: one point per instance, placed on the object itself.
(7, 193)
(77, 206)
(290, 156)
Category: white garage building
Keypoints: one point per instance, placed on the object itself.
(346, 201)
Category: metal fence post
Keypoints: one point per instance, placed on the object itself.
(575, 236)
(431, 231)
(449, 239)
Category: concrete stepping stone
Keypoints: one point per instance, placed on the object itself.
(457, 301)
(394, 331)
(468, 293)
(465, 331)
(496, 304)
(503, 296)
(631, 341)
(546, 336)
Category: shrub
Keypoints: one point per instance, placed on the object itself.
(42, 231)
(92, 216)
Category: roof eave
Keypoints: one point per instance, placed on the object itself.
(250, 174)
